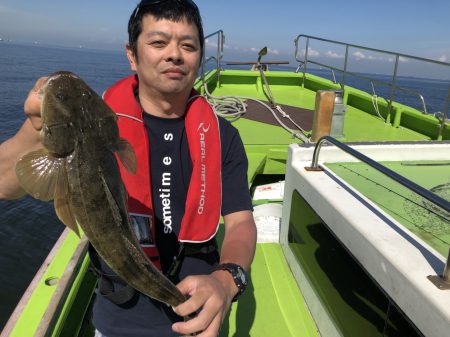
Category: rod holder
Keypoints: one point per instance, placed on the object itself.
(442, 281)
(323, 114)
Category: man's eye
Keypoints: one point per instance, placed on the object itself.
(158, 43)
(190, 47)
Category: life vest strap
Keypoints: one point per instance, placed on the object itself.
(191, 249)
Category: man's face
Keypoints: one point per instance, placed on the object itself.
(168, 56)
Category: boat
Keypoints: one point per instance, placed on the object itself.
(352, 203)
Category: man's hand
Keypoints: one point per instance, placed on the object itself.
(210, 296)
(24, 141)
(32, 106)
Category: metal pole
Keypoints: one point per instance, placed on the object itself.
(344, 79)
(447, 105)
(446, 273)
(306, 62)
(392, 91)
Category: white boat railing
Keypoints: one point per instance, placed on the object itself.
(441, 281)
(303, 63)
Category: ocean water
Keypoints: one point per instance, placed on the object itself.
(29, 228)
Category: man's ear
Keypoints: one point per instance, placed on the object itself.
(131, 57)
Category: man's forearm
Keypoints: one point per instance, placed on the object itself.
(239, 241)
(238, 247)
(24, 141)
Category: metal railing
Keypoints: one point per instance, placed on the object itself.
(442, 282)
(219, 53)
(392, 85)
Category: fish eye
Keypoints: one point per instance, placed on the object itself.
(86, 94)
(60, 96)
(47, 131)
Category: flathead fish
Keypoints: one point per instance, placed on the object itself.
(77, 168)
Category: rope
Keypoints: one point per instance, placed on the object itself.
(375, 105)
(375, 102)
(233, 108)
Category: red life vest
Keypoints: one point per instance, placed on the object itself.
(202, 209)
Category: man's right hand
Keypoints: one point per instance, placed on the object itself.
(32, 106)
(24, 141)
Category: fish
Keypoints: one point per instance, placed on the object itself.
(77, 169)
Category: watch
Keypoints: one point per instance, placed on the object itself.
(239, 276)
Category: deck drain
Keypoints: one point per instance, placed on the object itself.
(52, 281)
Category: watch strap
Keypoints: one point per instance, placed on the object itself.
(239, 276)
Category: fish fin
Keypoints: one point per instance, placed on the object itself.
(127, 156)
(38, 173)
(62, 205)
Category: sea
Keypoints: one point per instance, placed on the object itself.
(29, 228)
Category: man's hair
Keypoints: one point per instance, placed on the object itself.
(173, 10)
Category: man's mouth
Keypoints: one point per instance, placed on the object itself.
(174, 71)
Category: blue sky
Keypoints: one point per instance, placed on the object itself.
(420, 28)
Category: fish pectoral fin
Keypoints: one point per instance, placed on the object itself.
(62, 205)
(127, 156)
(38, 173)
(44, 177)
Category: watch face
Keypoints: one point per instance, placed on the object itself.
(242, 277)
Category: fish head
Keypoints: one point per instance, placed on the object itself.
(71, 111)
(58, 114)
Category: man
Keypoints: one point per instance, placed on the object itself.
(164, 50)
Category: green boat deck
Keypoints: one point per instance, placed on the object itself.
(415, 213)
(260, 312)
(273, 304)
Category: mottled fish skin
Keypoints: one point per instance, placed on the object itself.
(80, 136)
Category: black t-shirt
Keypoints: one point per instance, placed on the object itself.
(171, 168)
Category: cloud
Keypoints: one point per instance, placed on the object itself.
(311, 52)
(443, 58)
(333, 55)
(269, 51)
(359, 55)
(362, 56)
(209, 43)
(213, 45)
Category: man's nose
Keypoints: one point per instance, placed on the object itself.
(174, 54)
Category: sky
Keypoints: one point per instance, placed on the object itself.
(416, 27)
